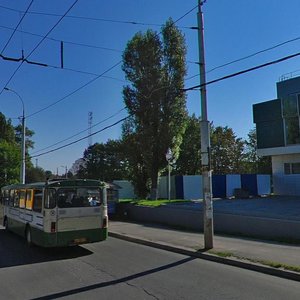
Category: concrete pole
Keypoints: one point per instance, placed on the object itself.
(205, 142)
(22, 176)
(169, 157)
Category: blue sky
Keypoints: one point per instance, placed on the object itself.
(233, 30)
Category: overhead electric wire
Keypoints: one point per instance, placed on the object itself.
(186, 89)
(243, 71)
(64, 41)
(11, 36)
(40, 42)
(76, 134)
(85, 72)
(94, 19)
(245, 57)
(187, 13)
(105, 128)
(75, 91)
(81, 139)
(94, 79)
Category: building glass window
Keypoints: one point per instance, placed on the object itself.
(287, 169)
(291, 168)
(292, 132)
(290, 106)
(290, 114)
(296, 168)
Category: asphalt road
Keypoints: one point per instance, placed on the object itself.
(117, 269)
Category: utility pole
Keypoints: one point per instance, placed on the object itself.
(22, 176)
(205, 141)
(169, 158)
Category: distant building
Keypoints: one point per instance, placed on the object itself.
(278, 135)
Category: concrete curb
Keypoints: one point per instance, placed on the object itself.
(227, 261)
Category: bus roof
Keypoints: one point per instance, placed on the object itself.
(58, 183)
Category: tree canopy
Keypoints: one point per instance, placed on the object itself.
(227, 151)
(10, 153)
(155, 68)
(104, 161)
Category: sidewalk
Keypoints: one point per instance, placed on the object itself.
(264, 256)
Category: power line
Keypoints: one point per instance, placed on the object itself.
(107, 127)
(40, 42)
(11, 36)
(98, 76)
(245, 57)
(55, 67)
(187, 13)
(75, 91)
(22, 59)
(76, 134)
(91, 81)
(243, 71)
(87, 73)
(94, 19)
(66, 42)
(53, 27)
(79, 140)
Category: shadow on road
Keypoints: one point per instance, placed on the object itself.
(115, 281)
(15, 252)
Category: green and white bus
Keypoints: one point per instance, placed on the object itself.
(56, 213)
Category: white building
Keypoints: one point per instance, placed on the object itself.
(278, 135)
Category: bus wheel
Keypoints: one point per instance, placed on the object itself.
(28, 236)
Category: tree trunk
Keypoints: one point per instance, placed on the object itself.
(154, 192)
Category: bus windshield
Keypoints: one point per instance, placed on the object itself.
(78, 197)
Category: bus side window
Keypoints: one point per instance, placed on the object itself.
(28, 204)
(6, 197)
(50, 199)
(22, 196)
(37, 200)
(17, 198)
(11, 197)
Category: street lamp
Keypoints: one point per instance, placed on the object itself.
(169, 158)
(22, 168)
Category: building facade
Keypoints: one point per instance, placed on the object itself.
(278, 135)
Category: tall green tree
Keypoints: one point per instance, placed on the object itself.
(137, 172)
(254, 163)
(104, 161)
(10, 150)
(227, 151)
(9, 163)
(6, 130)
(35, 174)
(189, 160)
(29, 144)
(9, 153)
(154, 99)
